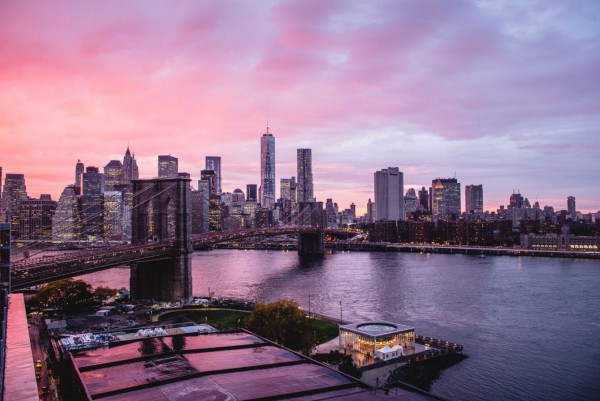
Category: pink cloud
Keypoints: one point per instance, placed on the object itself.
(80, 80)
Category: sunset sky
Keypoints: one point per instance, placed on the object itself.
(504, 94)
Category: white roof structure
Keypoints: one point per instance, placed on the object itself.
(378, 328)
(199, 328)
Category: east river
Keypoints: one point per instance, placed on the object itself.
(530, 326)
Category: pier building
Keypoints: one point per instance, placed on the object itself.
(368, 337)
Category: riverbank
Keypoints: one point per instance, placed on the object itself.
(479, 251)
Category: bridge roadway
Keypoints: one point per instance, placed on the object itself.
(39, 270)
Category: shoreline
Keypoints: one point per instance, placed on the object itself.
(422, 248)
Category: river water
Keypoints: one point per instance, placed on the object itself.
(530, 326)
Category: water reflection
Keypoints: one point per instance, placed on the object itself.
(508, 312)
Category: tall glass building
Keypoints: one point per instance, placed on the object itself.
(267, 170)
(474, 198)
(91, 203)
(13, 193)
(214, 163)
(66, 225)
(113, 216)
(35, 218)
(130, 168)
(305, 176)
(251, 192)
(167, 166)
(79, 170)
(113, 175)
(445, 197)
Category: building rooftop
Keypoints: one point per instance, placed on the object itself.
(377, 328)
(19, 379)
(222, 366)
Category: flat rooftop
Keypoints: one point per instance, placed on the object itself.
(19, 378)
(221, 366)
(377, 328)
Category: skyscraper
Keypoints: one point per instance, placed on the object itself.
(79, 169)
(571, 209)
(66, 225)
(516, 201)
(251, 192)
(474, 199)
(332, 216)
(411, 202)
(200, 205)
(445, 196)
(35, 218)
(424, 199)
(305, 177)
(285, 187)
(167, 166)
(370, 211)
(214, 163)
(267, 170)
(130, 168)
(91, 203)
(389, 194)
(13, 193)
(113, 175)
(211, 178)
(113, 228)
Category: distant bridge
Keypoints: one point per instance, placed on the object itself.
(33, 271)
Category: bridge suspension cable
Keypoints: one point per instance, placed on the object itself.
(45, 228)
(97, 225)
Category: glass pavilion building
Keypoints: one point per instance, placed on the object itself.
(366, 338)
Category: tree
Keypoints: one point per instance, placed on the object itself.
(284, 322)
(102, 293)
(70, 296)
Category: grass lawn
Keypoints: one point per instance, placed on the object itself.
(325, 330)
(224, 319)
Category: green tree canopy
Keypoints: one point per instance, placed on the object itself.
(284, 322)
(70, 296)
(102, 293)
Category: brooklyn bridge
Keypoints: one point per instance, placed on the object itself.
(161, 262)
(29, 272)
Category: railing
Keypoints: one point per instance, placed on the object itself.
(441, 348)
(32, 271)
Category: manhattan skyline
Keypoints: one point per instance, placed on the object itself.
(504, 94)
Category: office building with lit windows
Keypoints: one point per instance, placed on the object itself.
(305, 176)
(214, 163)
(13, 193)
(35, 218)
(91, 204)
(79, 170)
(445, 198)
(113, 216)
(167, 166)
(66, 225)
(267, 170)
(113, 175)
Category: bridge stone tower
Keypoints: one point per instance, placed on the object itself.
(162, 215)
(311, 214)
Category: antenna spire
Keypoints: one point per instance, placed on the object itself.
(267, 120)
